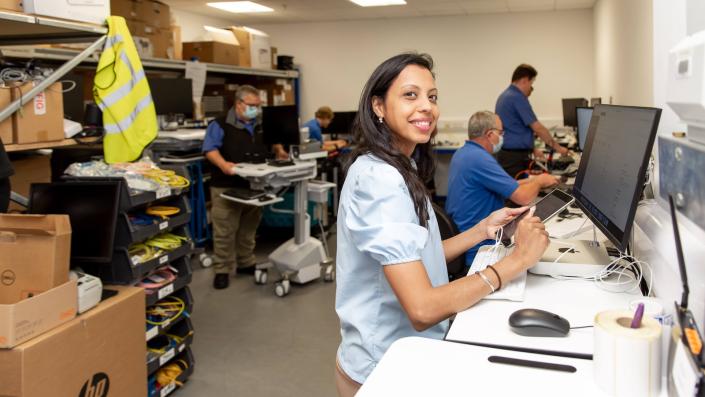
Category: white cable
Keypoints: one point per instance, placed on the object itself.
(633, 280)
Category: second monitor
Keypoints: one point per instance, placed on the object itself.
(280, 124)
(569, 112)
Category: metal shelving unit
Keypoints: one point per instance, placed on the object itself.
(19, 28)
(26, 52)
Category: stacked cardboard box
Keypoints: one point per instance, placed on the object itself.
(150, 21)
(6, 125)
(41, 119)
(35, 292)
(218, 46)
(87, 356)
(255, 51)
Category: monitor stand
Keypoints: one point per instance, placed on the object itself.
(576, 258)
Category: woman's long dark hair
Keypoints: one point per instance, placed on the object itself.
(373, 137)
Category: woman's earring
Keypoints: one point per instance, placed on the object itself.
(381, 119)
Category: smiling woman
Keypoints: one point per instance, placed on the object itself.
(392, 280)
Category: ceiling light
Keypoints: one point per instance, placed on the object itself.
(378, 3)
(240, 7)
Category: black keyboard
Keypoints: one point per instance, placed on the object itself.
(244, 193)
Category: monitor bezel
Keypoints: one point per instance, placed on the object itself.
(620, 238)
(112, 231)
(577, 132)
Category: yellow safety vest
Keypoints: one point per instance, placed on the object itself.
(121, 91)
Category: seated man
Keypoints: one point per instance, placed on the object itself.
(477, 184)
(324, 115)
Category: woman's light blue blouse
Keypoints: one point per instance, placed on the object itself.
(377, 226)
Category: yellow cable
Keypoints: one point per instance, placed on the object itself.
(168, 373)
(171, 308)
(162, 211)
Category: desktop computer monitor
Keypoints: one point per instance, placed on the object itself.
(611, 174)
(172, 96)
(92, 207)
(595, 101)
(341, 124)
(280, 124)
(569, 106)
(583, 117)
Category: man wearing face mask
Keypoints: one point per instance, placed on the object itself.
(520, 123)
(233, 138)
(477, 184)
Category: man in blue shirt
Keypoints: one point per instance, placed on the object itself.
(322, 119)
(233, 138)
(477, 185)
(520, 123)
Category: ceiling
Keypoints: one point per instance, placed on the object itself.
(299, 11)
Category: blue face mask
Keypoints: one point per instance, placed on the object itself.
(251, 112)
(496, 148)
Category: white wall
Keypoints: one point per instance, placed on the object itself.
(623, 51)
(192, 24)
(475, 57)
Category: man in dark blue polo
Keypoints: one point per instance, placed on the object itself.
(477, 185)
(520, 123)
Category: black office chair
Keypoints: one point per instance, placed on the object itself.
(456, 267)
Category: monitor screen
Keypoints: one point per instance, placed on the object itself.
(341, 123)
(584, 115)
(172, 96)
(613, 166)
(280, 124)
(569, 105)
(92, 208)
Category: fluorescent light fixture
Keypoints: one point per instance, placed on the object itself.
(378, 3)
(240, 7)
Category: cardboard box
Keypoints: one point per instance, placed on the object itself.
(100, 353)
(211, 51)
(6, 125)
(42, 118)
(255, 51)
(153, 13)
(94, 11)
(127, 9)
(12, 5)
(35, 251)
(176, 41)
(243, 39)
(151, 42)
(22, 320)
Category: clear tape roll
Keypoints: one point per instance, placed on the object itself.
(627, 361)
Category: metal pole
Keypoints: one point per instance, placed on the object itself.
(51, 79)
(301, 232)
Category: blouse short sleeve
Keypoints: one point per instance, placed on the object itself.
(381, 219)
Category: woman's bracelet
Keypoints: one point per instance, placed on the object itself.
(496, 273)
(486, 280)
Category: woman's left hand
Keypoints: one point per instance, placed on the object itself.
(500, 218)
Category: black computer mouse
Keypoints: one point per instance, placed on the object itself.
(535, 322)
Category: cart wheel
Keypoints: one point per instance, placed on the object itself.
(206, 260)
(329, 275)
(279, 290)
(260, 276)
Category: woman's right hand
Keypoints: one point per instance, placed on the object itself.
(531, 240)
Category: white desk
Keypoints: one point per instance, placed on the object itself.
(426, 367)
(486, 323)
